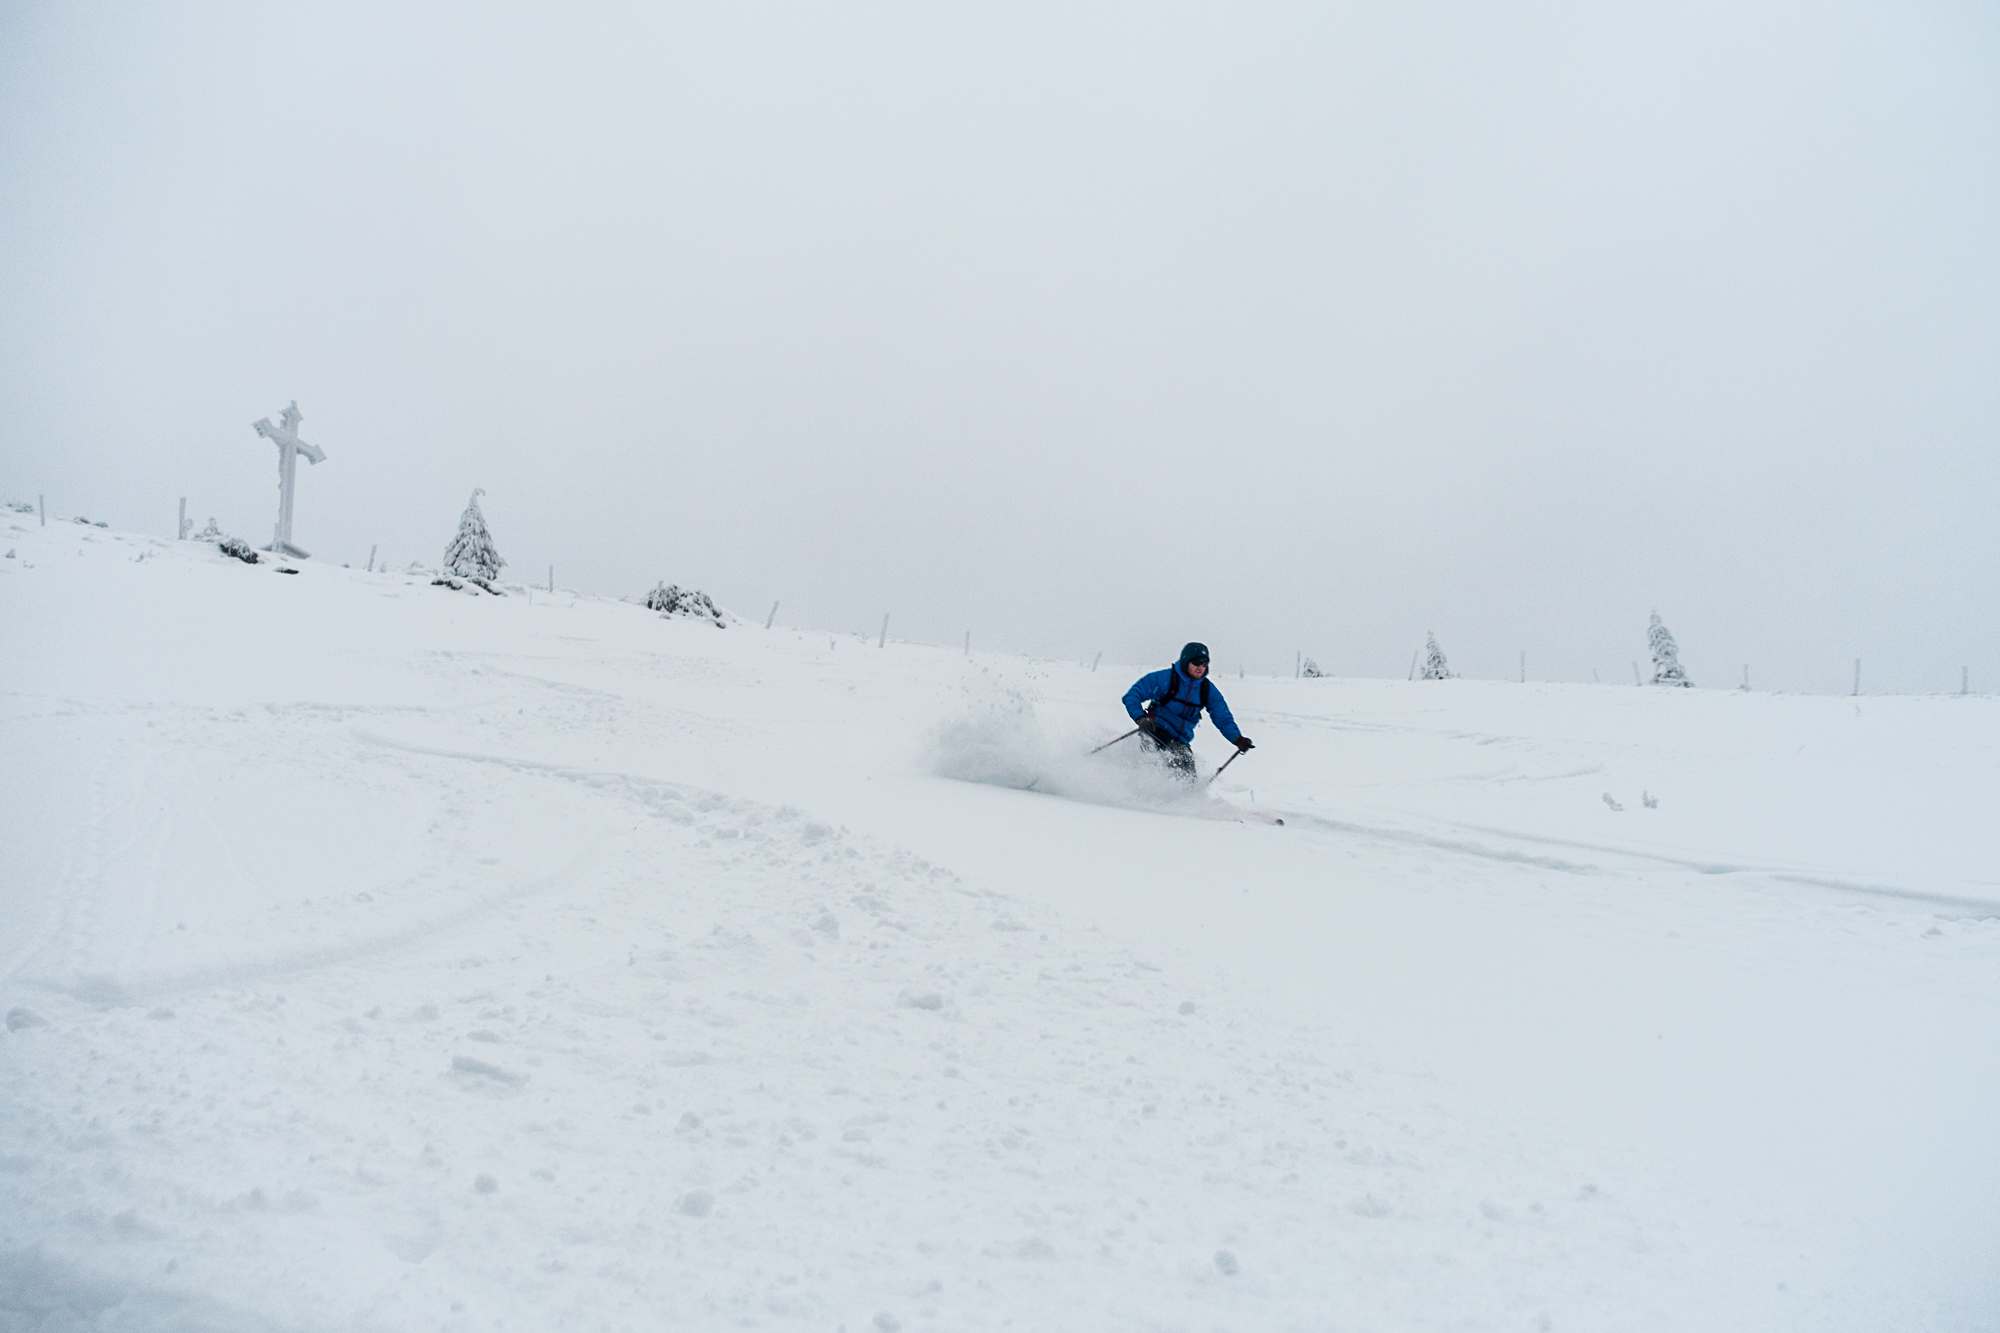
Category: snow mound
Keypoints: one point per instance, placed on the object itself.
(670, 599)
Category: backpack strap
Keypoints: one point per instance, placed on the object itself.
(1174, 688)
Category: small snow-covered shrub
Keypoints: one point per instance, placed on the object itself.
(460, 585)
(471, 555)
(237, 547)
(211, 533)
(1434, 665)
(1311, 670)
(1666, 656)
(670, 599)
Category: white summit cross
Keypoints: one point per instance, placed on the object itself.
(286, 436)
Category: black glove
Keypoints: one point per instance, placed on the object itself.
(1244, 743)
(1146, 724)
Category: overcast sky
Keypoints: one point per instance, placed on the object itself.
(1083, 328)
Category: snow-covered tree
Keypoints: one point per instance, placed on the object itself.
(1434, 667)
(471, 555)
(1311, 669)
(211, 533)
(670, 599)
(1666, 655)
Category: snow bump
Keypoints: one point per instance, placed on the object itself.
(480, 1069)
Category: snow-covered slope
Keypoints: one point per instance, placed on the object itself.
(379, 956)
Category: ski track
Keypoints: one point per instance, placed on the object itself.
(1978, 908)
(1432, 842)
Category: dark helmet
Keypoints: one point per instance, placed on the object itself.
(1194, 652)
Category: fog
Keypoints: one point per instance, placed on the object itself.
(1082, 329)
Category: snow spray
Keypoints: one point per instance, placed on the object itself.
(1007, 745)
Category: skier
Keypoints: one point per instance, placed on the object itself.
(1172, 701)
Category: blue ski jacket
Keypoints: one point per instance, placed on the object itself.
(1176, 700)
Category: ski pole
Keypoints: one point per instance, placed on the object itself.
(1114, 740)
(1225, 764)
